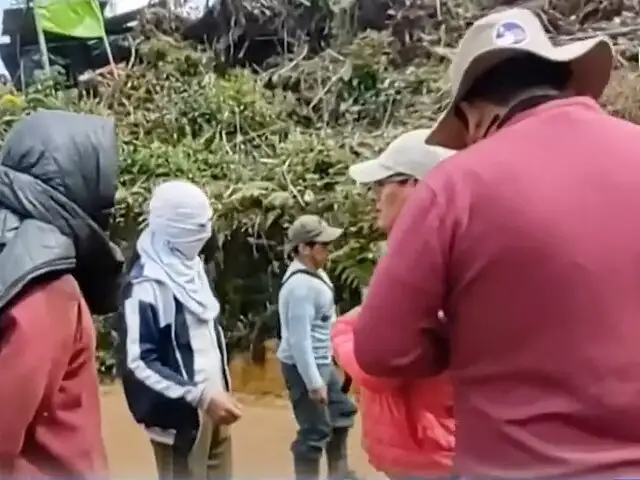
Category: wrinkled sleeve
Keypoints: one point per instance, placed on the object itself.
(399, 333)
(299, 314)
(342, 340)
(34, 333)
(146, 312)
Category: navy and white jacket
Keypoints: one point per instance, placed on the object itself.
(168, 358)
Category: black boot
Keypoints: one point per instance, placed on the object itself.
(337, 456)
(306, 468)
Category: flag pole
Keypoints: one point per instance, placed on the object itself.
(105, 38)
(107, 47)
(42, 43)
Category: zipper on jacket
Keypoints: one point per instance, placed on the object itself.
(175, 348)
(222, 352)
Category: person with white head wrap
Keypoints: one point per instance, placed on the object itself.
(175, 372)
(179, 226)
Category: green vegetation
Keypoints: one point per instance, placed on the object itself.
(266, 146)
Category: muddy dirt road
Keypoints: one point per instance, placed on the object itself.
(260, 441)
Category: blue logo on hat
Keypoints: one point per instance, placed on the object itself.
(509, 34)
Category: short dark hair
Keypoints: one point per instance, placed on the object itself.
(502, 82)
(296, 249)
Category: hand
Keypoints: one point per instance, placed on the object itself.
(319, 395)
(354, 312)
(223, 409)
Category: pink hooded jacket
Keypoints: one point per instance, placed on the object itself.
(408, 428)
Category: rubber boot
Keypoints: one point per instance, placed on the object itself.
(337, 455)
(306, 468)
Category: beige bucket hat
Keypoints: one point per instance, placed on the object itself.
(406, 155)
(506, 33)
(310, 228)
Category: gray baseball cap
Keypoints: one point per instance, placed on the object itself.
(311, 228)
(406, 155)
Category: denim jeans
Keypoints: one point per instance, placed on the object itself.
(318, 423)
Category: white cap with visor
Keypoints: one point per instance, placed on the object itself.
(406, 155)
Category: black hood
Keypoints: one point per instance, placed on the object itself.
(76, 155)
(59, 169)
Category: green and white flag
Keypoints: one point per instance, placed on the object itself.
(73, 18)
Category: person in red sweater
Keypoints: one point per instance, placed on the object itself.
(57, 266)
(524, 239)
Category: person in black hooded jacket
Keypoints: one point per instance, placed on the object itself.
(58, 173)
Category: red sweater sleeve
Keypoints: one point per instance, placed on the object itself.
(35, 336)
(342, 339)
(399, 333)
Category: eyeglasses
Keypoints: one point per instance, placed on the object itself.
(399, 178)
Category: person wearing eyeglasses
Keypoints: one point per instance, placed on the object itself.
(408, 426)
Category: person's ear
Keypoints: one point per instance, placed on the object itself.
(481, 120)
(472, 119)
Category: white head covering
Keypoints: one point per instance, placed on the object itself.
(179, 226)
